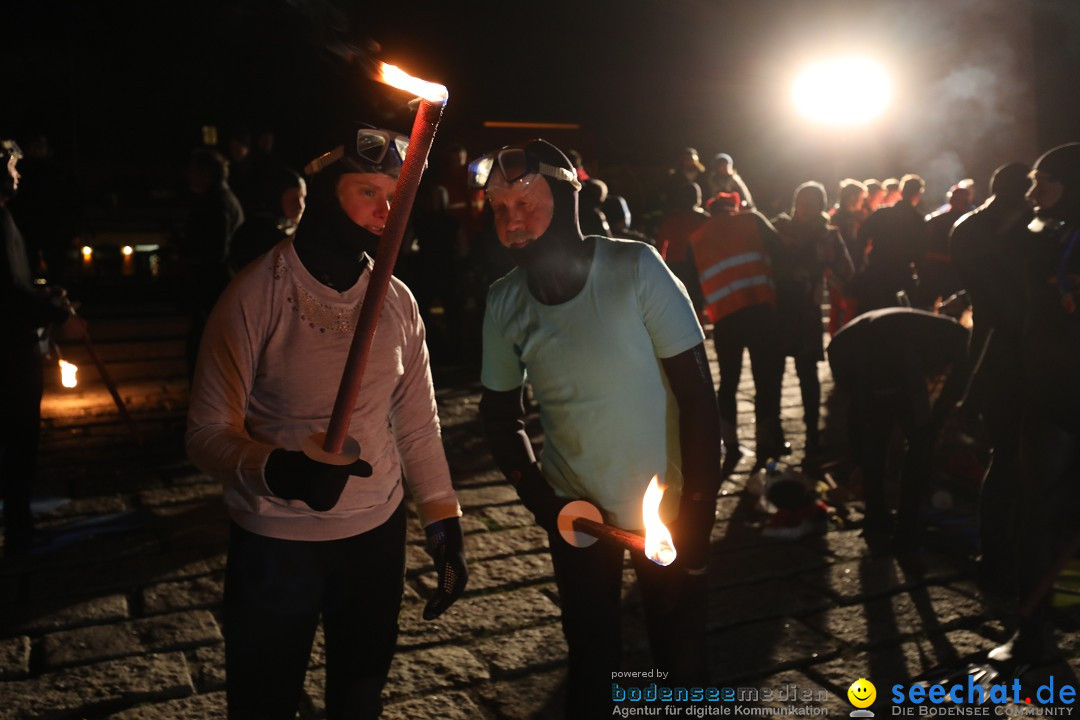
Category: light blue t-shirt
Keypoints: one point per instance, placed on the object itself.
(609, 417)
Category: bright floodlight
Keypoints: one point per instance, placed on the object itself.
(843, 91)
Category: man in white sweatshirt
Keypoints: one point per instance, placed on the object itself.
(310, 539)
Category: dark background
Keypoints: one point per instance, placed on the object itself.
(122, 89)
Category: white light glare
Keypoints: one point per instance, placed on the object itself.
(844, 91)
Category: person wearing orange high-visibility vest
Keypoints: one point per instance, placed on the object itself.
(732, 253)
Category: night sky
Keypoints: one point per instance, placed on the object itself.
(121, 89)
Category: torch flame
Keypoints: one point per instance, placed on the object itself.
(659, 547)
(67, 374)
(396, 77)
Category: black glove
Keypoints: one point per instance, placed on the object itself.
(538, 497)
(292, 475)
(446, 546)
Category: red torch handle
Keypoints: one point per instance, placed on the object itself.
(423, 132)
(629, 540)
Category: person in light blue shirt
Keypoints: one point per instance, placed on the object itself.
(611, 345)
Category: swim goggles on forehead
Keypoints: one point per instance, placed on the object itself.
(374, 151)
(516, 165)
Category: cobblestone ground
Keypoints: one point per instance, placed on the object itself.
(120, 616)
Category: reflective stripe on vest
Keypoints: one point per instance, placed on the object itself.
(732, 262)
(736, 286)
(733, 268)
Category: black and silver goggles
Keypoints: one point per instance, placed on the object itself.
(374, 151)
(515, 164)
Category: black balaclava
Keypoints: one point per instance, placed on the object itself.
(1063, 164)
(329, 243)
(564, 232)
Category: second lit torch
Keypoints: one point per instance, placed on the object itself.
(581, 525)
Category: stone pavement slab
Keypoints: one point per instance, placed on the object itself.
(477, 617)
(523, 651)
(39, 618)
(200, 592)
(451, 706)
(79, 691)
(14, 657)
(96, 643)
(535, 696)
(424, 673)
(209, 706)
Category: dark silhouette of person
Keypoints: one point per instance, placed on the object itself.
(266, 172)
(893, 191)
(45, 208)
(688, 169)
(847, 215)
(893, 237)
(241, 178)
(214, 215)
(453, 254)
(591, 208)
(441, 274)
(988, 248)
(264, 230)
(1050, 435)
(684, 215)
(891, 363)
(733, 254)
(810, 246)
(621, 222)
(26, 312)
(724, 178)
(937, 277)
(875, 195)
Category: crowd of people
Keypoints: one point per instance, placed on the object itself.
(605, 322)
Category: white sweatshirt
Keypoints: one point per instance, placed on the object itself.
(269, 368)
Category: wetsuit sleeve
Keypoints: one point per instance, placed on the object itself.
(503, 416)
(699, 439)
(665, 307)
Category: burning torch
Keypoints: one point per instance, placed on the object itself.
(334, 446)
(69, 379)
(581, 525)
(68, 371)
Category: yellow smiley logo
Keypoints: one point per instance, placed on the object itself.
(862, 693)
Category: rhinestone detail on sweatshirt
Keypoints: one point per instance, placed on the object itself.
(325, 317)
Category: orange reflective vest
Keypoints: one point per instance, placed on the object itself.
(733, 268)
